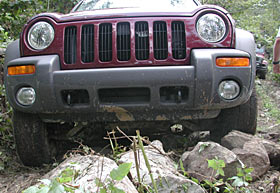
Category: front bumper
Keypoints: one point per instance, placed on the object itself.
(158, 87)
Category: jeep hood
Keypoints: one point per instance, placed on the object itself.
(124, 12)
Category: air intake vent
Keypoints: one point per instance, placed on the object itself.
(87, 43)
(105, 42)
(178, 40)
(141, 40)
(160, 40)
(124, 95)
(70, 45)
(123, 41)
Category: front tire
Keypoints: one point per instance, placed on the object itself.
(31, 138)
(242, 118)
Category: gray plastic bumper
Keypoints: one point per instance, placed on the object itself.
(199, 81)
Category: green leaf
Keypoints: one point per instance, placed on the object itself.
(238, 182)
(248, 170)
(44, 190)
(119, 173)
(56, 187)
(209, 183)
(65, 179)
(195, 180)
(202, 147)
(32, 189)
(115, 189)
(98, 182)
(103, 190)
(217, 165)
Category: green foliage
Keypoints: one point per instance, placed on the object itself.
(269, 104)
(15, 13)
(261, 17)
(6, 134)
(116, 147)
(59, 184)
(119, 173)
(217, 165)
(202, 147)
(115, 175)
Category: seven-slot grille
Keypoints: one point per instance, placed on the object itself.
(128, 39)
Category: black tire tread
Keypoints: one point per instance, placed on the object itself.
(242, 118)
(31, 139)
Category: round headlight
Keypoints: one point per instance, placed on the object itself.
(229, 89)
(40, 35)
(26, 96)
(211, 27)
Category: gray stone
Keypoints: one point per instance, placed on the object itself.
(196, 164)
(237, 139)
(90, 168)
(253, 154)
(163, 169)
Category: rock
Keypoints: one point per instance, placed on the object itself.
(163, 170)
(196, 164)
(253, 154)
(92, 167)
(237, 139)
(273, 151)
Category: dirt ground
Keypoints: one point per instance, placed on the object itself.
(15, 177)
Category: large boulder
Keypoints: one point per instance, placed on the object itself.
(90, 168)
(196, 164)
(237, 139)
(162, 168)
(254, 155)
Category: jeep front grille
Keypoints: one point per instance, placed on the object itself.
(160, 40)
(70, 45)
(87, 43)
(97, 44)
(123, 41)
(178, 40)
(141, 40)
(105, 42)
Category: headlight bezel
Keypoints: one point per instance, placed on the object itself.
(217, 15)
(32, 28)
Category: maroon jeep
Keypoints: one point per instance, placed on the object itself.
(132, 63)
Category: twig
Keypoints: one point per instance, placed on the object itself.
(146, 160)
(273, 126)
(124, 134)
(137, 166)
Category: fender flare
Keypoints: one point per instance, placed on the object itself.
(12, 51)
(245, 41)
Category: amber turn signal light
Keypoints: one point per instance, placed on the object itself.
(20, 70)
(233, 62)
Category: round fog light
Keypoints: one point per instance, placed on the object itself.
(229, 89)
(26, 96)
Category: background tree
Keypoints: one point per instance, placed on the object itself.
(261, 17)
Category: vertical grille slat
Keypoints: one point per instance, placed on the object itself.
(178, 40)
(141, 40)
(70, 45)
(105, 42)
(160, 40)
(87, 47)
(123, 41)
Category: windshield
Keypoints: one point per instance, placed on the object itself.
(88, 5)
